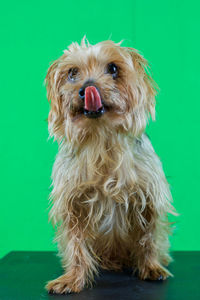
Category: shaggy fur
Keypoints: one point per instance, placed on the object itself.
(110, 197)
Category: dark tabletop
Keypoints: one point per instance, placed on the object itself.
(24, 274)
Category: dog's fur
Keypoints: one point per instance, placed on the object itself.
(110, 197)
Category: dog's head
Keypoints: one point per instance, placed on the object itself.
(92, 87)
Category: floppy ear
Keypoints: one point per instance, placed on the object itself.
(53, 81)
(149, 86)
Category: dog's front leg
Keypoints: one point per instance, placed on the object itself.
(77, 260)
(151, 248)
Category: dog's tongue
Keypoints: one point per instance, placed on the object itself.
(92, 99)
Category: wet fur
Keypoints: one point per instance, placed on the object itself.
(110, 197)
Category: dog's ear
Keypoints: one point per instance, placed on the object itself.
(148, 85)
(53, 81)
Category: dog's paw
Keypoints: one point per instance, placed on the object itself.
(62, 285)
(57, 287)
(154, 273)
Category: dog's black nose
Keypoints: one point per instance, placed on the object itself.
(82, 92)
(82, 89)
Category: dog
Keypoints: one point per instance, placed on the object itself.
(110, 197)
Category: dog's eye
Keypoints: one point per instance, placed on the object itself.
(113, 70)
(72, 74)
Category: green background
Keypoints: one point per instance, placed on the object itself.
(33, 33)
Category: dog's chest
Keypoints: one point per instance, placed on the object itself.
(110, 217)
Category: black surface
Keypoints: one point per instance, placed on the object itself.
(24, 274)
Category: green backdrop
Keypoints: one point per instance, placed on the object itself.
(33, 33)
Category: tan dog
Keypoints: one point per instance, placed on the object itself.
(110, 197)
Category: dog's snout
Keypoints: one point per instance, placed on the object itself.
(82, 92)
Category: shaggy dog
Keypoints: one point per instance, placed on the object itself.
(110, 197)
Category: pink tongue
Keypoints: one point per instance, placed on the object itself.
(92, 99)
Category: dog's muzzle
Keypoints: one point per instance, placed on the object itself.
(93, 107)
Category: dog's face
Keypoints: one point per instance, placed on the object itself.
(96, 87)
